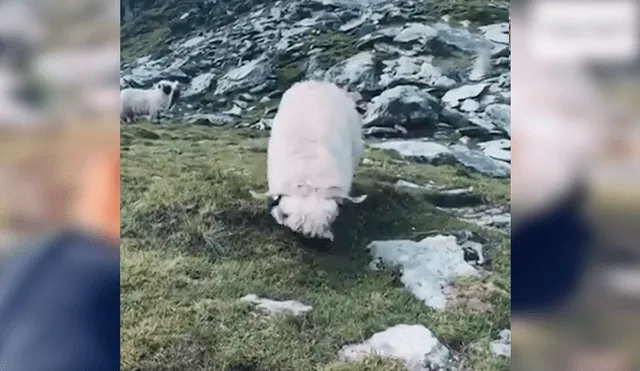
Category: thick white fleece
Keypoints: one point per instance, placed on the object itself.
(142, 102)
(315, 145)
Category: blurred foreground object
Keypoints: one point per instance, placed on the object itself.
(557, 123)
(59, 186)
(44, 177)
(576, 147)
(57, 62)
(98, 207)
(60, 306)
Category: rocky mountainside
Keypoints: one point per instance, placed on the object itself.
(416, 75)
(419, 273)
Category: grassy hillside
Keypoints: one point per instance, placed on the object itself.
(194, 242)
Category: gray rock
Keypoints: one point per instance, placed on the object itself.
(478, 127)
(453, 97)
(404, 105)
(481, 163)
(416, 32)
(428, 267)
(470, 105)
(250, 75)
(384, 34)
(497, 149)
(500, 50)
(210, 119)
(502, 346)
(496, 218)
(498, 33)
(274, 307)
(415, 71)
(413, 345)
(199, 85)
(500, 115)
(457, 197)
(355, 73)
(417, 150)
(462, 39)
(374, 131)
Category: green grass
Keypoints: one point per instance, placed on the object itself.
(194, 242)
(152, 40)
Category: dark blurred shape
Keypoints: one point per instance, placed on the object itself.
(15, 51)
(60, 306)
(548, 256)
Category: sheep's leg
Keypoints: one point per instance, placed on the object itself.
(154, 117)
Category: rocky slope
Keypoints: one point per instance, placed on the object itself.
(416, 77)
(426, 259)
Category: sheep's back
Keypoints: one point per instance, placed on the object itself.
(136, 100)
(312, 138)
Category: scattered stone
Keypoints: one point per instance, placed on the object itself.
(274, 307)
(210, 119)
(457, 197)
(428, 266)
(491, 217)
(199, 85)
(502, 346)
(355, 73)
(500, 115)
(413, 345)
(404, 105)
(413, 70)
(250, 75)
(416, 32)
(420, 151)
(470, 105)
(481, 163)
(498, 33)
(454, 96)
(499, 149)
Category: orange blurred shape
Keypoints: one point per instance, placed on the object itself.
(60, 178)
(98, 205)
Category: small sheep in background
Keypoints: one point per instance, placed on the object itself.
(141, 102)
(315, 145)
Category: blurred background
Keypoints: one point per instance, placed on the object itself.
(59, 95)
(580, 118)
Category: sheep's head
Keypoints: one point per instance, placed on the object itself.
(310, 215)
(170, 88)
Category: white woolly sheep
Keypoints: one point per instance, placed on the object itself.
(314, 147)
(142, 102)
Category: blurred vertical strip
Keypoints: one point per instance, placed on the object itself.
(575, 185)
(59, 185)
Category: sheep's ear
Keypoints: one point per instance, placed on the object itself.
(355, 200)
(328, 235)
